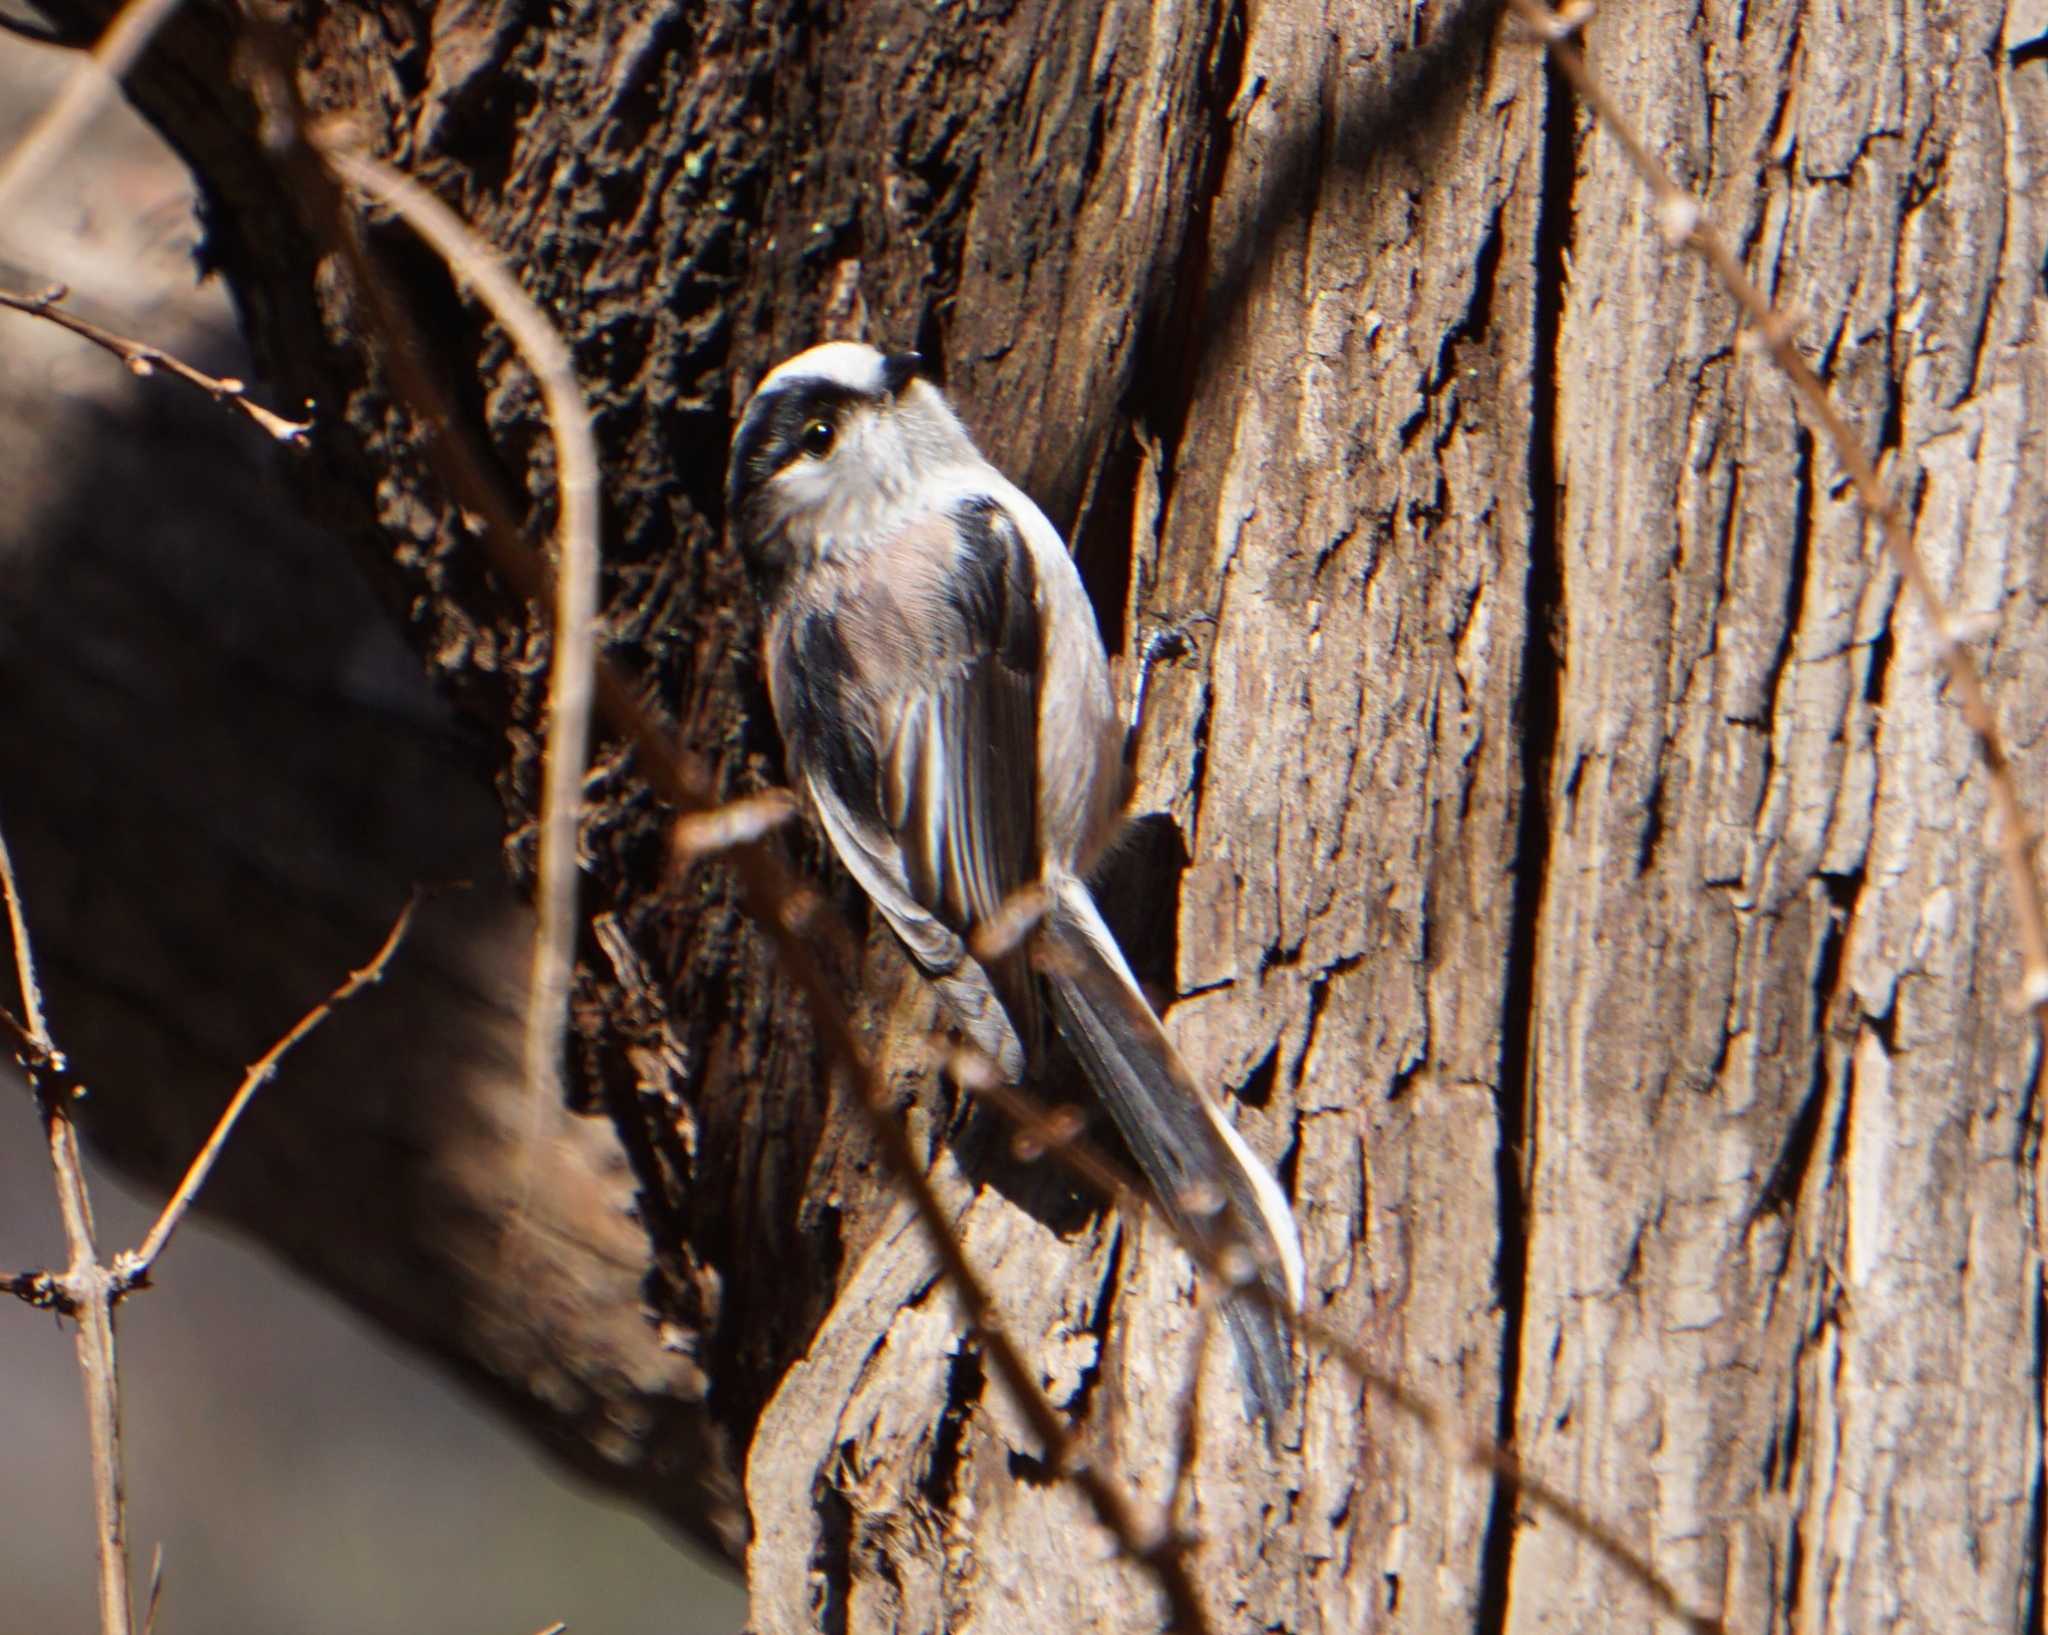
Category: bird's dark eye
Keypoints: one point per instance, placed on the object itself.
(817, 439)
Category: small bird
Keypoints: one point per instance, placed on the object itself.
(945, 706)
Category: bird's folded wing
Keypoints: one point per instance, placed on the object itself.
(949, 832)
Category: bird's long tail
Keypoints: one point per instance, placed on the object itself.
(1197, 1163)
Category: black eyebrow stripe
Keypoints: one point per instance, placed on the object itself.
(767, 438)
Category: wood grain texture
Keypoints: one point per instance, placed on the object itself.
(1781, 1301)
(1556, 839)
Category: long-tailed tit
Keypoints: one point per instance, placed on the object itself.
(945, 704)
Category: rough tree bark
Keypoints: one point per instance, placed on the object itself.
(1557, 838)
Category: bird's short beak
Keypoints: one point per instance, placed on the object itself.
(899, 369)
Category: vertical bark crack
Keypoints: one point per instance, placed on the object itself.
(2037, 1502)
(1542, 680)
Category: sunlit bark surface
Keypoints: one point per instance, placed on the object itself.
(1555, 838)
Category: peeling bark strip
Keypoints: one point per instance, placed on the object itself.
(1578, 881)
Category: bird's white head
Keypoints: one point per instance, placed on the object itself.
(831, 443)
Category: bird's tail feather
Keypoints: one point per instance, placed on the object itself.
(1177, 1132)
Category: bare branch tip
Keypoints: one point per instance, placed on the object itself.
(132, 1268)
(156, 1589)
(296, 433)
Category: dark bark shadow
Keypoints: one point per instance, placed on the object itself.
(221, 773)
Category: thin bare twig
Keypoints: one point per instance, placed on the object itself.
(1187, 1436)
(37, 1028)
(88, 1289)
(92, 82)
(92, 1292)
(85, 1282)
(1685, 225)
(17, 1029)
(131, 1270)
(143, 359)
(697, 835)
(477, 264)
(154, 1599)
(52, 1068)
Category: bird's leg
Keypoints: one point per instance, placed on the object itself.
(1172, 641)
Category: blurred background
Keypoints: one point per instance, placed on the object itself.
(299, 1474)
(298, 1471)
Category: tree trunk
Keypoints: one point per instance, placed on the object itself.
(1557, 840)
